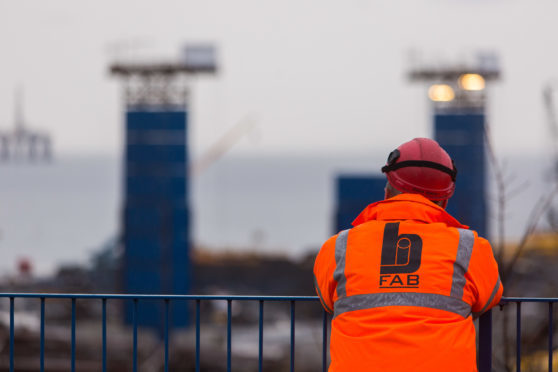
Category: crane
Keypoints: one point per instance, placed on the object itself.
(222, 145)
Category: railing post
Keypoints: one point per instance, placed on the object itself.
(104, 333)
(198, 335)
(73, 337)
(166, 334)
(12, 299)
(260, 337)
(518, 337)
(42, 342)
(135, 337)
(485, 342)
(550, 335)
(324, 341)
(229, 331)
(292, 336)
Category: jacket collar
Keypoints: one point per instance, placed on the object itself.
(407, 207)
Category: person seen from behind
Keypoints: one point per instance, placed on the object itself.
(405, 283)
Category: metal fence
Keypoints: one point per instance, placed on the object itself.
(196, 301)
(486, 345)
(485, 339)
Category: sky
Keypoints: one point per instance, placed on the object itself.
(325, 79)
(315, 76)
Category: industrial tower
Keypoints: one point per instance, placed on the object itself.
(155, 227)
(458, 95)
(22, 144)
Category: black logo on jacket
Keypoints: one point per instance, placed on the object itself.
(401, 254)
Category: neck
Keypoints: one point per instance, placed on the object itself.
(391, 192)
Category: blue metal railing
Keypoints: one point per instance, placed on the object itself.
(167, 299)
(485, 348)
(485, 326)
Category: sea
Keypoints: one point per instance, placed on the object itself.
(62, 212)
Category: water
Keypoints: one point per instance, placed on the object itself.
(58, 212)
(63, 211)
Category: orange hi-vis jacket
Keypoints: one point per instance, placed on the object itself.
(404, 285)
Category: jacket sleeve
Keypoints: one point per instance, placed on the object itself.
(483, 274)
(324, 267)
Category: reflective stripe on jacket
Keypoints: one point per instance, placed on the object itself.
(404, 285)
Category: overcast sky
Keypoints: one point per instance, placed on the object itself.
(316, 75)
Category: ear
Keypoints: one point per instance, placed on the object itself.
(388, 192)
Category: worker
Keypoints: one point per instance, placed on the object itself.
(405, 283)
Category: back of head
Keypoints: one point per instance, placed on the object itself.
(421, 166)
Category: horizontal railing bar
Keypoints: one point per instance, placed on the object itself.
(159, 297)
(527, 299)
(110, 296)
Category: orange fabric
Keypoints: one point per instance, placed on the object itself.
(398, 337)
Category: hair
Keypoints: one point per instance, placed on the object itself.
(392, 191)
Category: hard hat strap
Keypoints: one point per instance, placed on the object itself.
(421, 163)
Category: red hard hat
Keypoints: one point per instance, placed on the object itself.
(421, 166)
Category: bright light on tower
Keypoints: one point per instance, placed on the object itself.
(441, 93)
(471, 82)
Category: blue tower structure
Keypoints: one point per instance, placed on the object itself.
(155, 227)
(461, 133)
(458, 100)
(353, 194)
